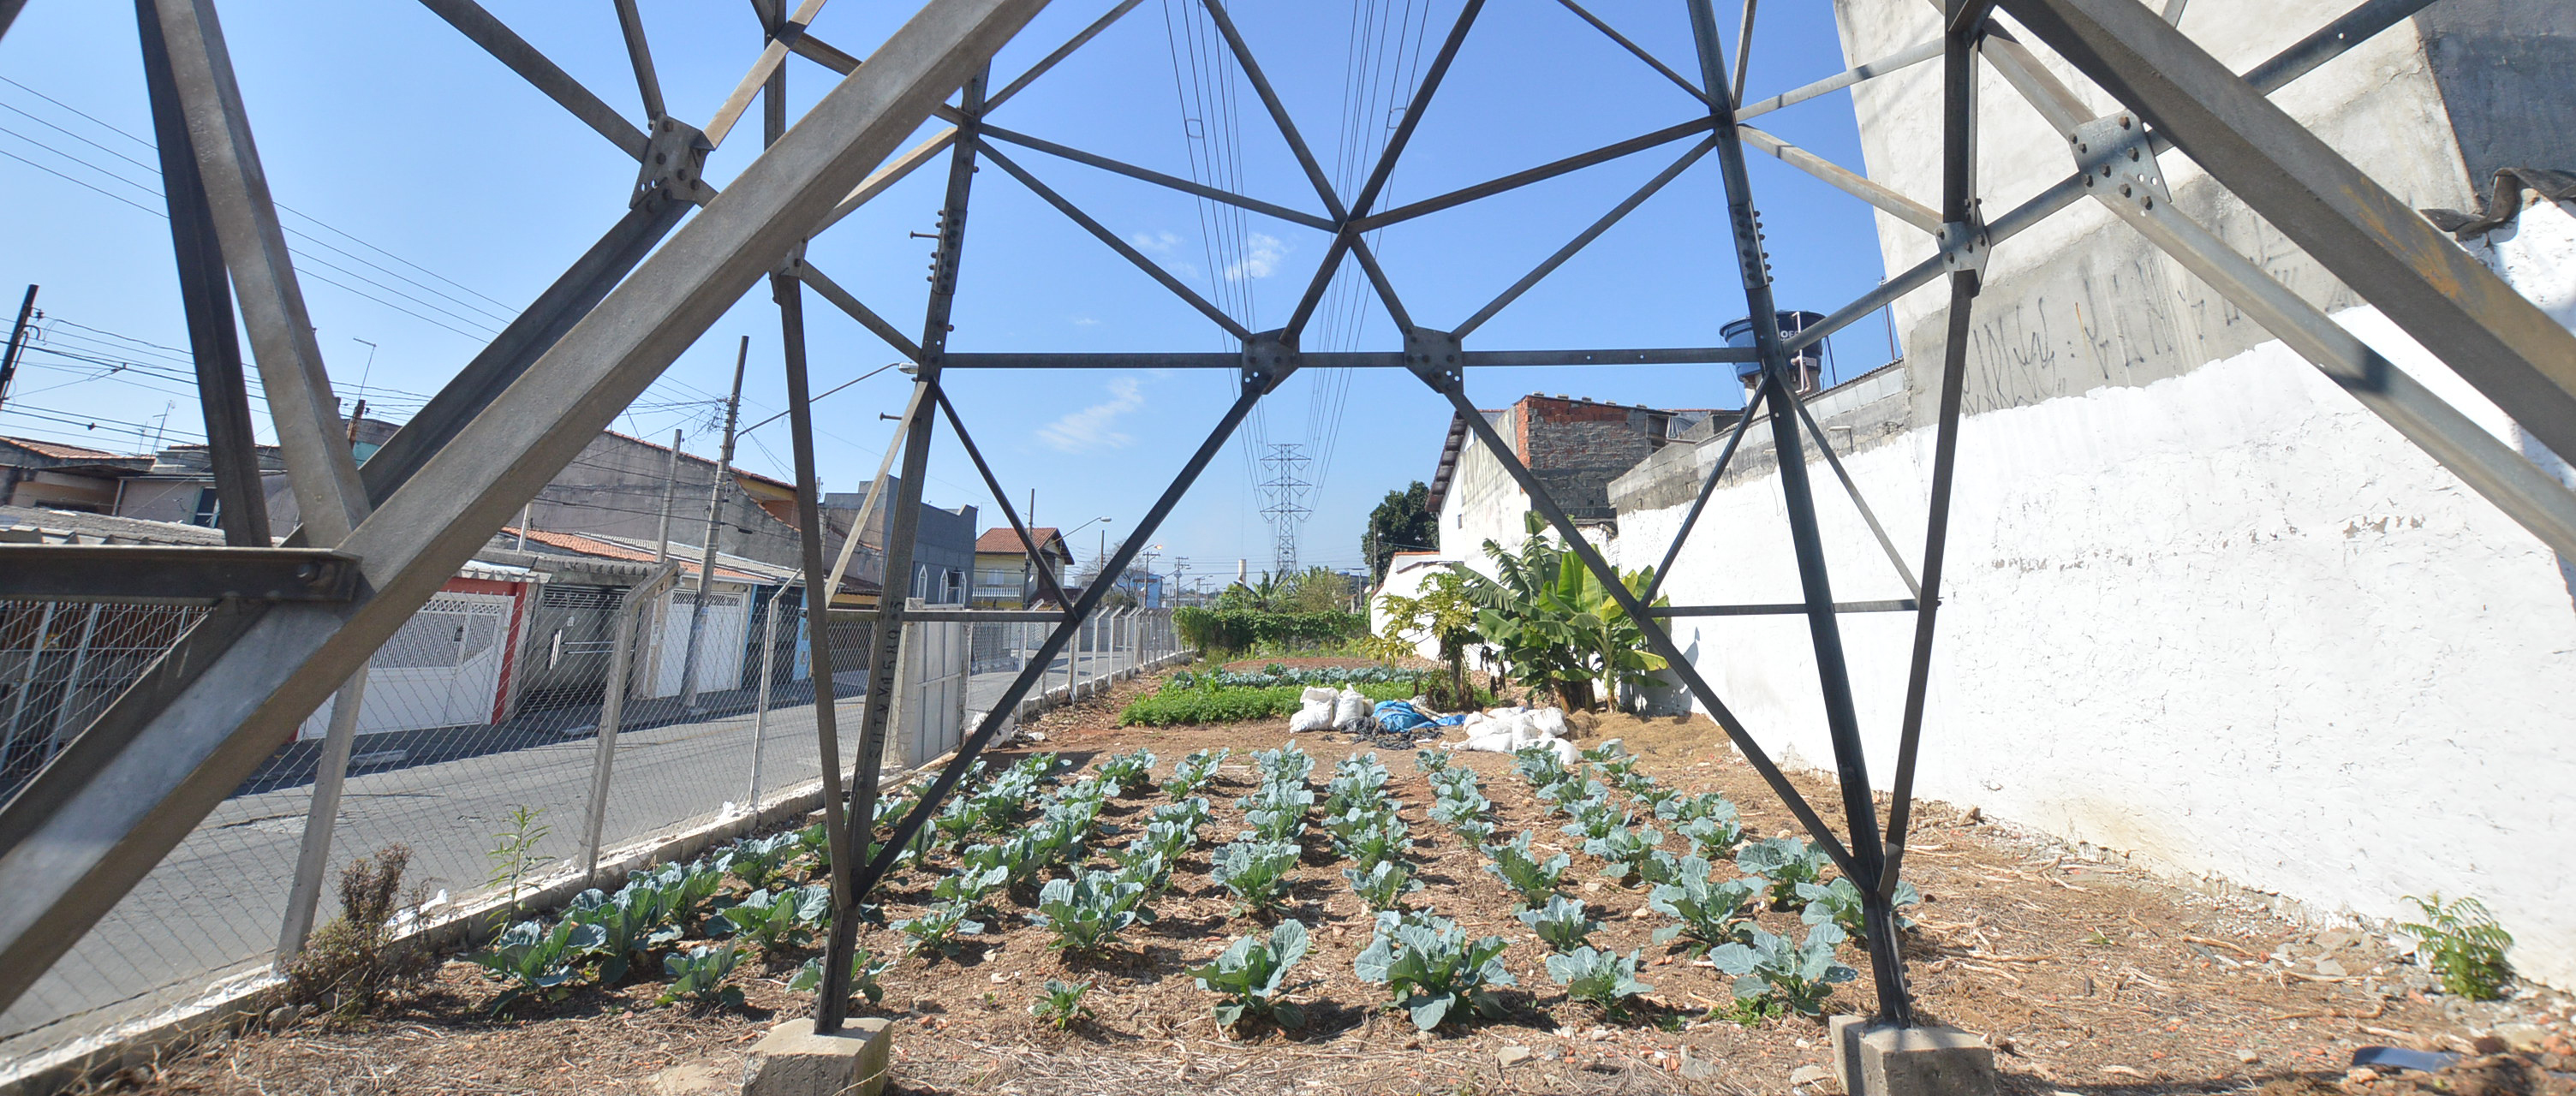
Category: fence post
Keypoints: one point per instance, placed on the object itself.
(760, 706)
(64, 710)
(27, 674)
(612, 708)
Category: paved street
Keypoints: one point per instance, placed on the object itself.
(213, 907)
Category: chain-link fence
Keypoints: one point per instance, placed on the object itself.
(486, 709)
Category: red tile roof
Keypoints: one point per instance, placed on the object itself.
(1000, 538)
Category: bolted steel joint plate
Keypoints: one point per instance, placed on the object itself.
(1435, 357)
(2118, 162)
(675, 160)
(1963, 248)
(1268, 358)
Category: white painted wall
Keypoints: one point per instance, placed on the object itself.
(2228, 622)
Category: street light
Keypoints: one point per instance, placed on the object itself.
(1101, 559)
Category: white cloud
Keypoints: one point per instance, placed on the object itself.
(1159, 243)
(1261, 255)
(1085, 321)
(1095, 427)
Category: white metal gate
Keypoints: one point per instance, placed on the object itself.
(441, 669)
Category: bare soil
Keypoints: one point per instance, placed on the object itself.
(2086, 974)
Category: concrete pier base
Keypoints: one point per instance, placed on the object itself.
(1874, 1059)
(794, 1061)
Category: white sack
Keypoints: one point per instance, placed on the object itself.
(1315, 693)
(1350, 707)
(1548, 721)
(1315, 715)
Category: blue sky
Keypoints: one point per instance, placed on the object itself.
(441, 194)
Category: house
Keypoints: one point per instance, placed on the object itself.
(943, 547)
(454, 663)
(1004, 576)
(573, 629)
(1574, 447)
(64, 477)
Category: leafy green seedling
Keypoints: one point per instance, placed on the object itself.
(1190, 813)
(1563, 923)
(865, 968)
(1430, 762)
(631, 924)
(1431, 968)
(1657, 866)
(775, 919)
(1797, 976)
(1474, 831)
(1595, 817)
(1839, 902)
(700, 976)
(1060, 1003)
(1386, 841)
(1606, 979)
(1256, 872)
(1533, 880)
(1539, 765)
(1285, 765)
(1624, 851)
(1129, 771)
(1784, 862)
(756, 861)
(2462, 943)
(1088, 912)
(1712, 838)
(1250, 976)
(973, 884)
(938, 930)
(1383, 885)
(538, 961)
(1707, 912)
(1195, 773)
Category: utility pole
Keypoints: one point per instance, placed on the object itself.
(715, 512)
(670, 486)
(17, 342)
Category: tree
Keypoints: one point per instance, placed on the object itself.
(1556, 624)
(1444, 614)
(1402, 523)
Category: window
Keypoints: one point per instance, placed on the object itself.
(210, 508)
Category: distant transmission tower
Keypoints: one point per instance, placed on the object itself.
(1284, 503)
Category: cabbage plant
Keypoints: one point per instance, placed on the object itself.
(1250, 976)
(1432, 969)
(1799, 976)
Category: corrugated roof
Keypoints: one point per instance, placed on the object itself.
(728, 566)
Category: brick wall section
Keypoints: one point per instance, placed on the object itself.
(1577, 447)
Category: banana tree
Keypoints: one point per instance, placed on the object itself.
(1556, 623)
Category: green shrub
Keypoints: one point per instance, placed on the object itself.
(1229, 629)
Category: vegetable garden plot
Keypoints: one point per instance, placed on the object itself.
(1193, 979)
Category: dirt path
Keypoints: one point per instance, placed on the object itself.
(2087, 975)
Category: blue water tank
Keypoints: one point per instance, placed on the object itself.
(1739, 333)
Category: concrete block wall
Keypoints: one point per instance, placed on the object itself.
(2203, 609)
